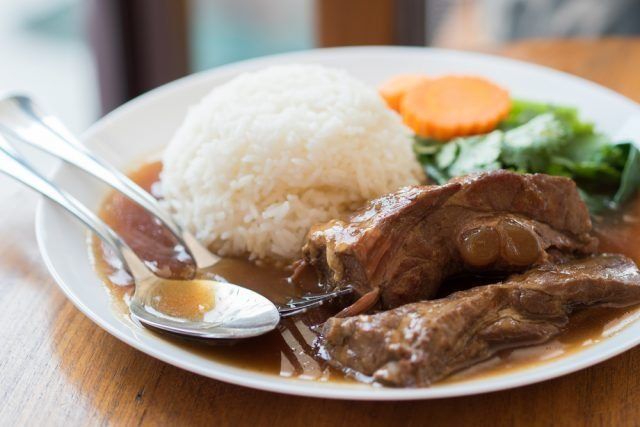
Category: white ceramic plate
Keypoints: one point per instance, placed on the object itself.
(142, 127)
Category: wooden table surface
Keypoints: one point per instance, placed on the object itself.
(57, 367)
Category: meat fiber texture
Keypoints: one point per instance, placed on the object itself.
(417, 344)
(408, 242)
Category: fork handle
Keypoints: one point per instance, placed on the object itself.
(20, 117)
(13, 165)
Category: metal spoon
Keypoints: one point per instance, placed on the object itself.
(22, 118)
(217, 310)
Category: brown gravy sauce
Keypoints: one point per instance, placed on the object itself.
(289, 351)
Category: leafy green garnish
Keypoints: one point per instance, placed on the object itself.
(529, 147)
(630, 180)
(460, 156)
(476, 154)
(523, 111)
(542, 138)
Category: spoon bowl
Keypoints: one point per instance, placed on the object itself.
(205, 309)
(24, 120)
(196, 308)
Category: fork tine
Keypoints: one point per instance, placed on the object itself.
(319, 297)
(297, 306)
(288, 312)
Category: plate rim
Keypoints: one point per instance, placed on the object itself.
(272, 383)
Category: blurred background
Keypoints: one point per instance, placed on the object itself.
(82, 58)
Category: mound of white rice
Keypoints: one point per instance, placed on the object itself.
(265, 156)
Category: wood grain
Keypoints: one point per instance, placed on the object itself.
(58, 368)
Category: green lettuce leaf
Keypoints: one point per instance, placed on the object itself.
(524, 111)
(530, 147)
(542, 138)
(476, 154)
(630, 180)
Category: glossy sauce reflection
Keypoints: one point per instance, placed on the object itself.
(286, 352)
(289, 351)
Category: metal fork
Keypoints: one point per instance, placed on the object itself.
(22, 119)
(307, 302)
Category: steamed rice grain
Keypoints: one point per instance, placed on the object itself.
(265, 156)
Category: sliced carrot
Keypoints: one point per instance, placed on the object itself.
(396, 87)
(452, 106)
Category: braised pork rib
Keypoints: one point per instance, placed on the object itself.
(407, 243)
(417, 344)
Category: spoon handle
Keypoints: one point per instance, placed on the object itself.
(13, 165)
(22, 118)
